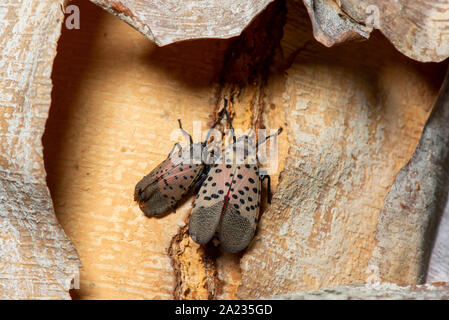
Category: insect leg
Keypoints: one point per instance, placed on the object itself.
(202, 176)
(268, 137)
(268, 187)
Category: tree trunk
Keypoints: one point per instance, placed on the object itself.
(353, 116)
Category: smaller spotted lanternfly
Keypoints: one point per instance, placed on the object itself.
(161, 190)
(229, 198)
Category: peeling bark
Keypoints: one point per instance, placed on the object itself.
(352, 123)
(165, 22)
(192, 280)
(37, 260)
(417, 28)
(331, 25)
(414, 205)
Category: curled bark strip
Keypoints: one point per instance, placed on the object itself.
(415, 203)
(37, 260)
(417, 28)
(165, 22)
(331, 25)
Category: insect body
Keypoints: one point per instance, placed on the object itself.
(162, 189)
(229, 198)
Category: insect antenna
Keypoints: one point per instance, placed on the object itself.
(185, 132)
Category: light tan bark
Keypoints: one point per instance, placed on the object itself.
(354, 117)
(37, 260)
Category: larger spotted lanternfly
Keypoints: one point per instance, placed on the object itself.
(229, 198)
(160, 191)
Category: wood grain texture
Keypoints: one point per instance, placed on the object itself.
(37, 260)
(417, 28)
(115, 104)
(354, 116)
(166, 22)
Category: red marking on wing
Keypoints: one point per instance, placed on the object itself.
(239, 218)
(249, 196)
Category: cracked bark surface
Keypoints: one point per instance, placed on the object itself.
(438, 269)
(348, 139)
(242, 81)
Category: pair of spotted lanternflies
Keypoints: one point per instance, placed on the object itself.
(229, 195)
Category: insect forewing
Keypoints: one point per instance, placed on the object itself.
(230, 199)
(241, 211)
(209, 204)
(162, 188)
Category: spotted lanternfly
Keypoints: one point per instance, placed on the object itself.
(162, 189)
(229, 198)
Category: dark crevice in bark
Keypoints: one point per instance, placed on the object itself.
(245, 71)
